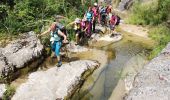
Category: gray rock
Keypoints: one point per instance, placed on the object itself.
(71, 47)
(2, 89)
(125, 4)
(153, 82)
(20, 52)
(55, 83)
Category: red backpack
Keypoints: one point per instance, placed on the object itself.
(95, 11)
(113, 19)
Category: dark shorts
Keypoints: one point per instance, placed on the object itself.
(112, 27)
(78, 32)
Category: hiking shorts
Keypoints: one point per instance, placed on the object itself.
(56, 47)
(78, 32)
(112, 27)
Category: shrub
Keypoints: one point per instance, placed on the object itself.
(161, 34)
(8, 93)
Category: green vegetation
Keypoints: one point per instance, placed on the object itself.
(8, 93)
(154, 13)
(19, 16)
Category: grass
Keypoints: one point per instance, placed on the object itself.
(161, 34)
(8, 93)
(154, 14)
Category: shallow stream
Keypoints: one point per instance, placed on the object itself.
(132, 50)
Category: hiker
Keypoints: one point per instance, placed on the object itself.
(55, 40)
(77, 27)
(112, 22)
(96, 15)
(60, 26)
(84, 26)
(109, 13)
(108, 9)
(103, 15)
(90, 17)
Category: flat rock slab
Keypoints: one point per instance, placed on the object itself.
(153, 82)
(137, 30)
(55, 83)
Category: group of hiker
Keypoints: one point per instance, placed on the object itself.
(83, 27)
(97, 13)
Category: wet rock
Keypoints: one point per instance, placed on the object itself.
(111, 37)
(19, 53)
(2, 89)
(125, 4)
(71, 47)
(153, 82)
(55, 83)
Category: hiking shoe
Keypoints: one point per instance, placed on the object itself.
(59, 64)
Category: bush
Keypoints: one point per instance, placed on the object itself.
(161, 34)
(8, 93)
(151, 13)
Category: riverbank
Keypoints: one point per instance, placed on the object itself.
(152, 82)
(134, 29)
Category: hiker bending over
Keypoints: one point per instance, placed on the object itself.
(56, 41)
(77, 27)
(90, 17)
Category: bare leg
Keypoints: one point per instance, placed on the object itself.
(77, 38)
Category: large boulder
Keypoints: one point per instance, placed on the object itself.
(153, 82)
(19, 53)
(55, 83)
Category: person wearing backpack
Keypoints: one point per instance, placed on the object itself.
(90, 18)
(55, 40)
(103, 15)
(95, 10)
(112, 22)
(84, 26)
(77, 27)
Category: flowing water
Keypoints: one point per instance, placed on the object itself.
(131, 51)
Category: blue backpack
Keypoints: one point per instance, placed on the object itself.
(89, 16)
(102, 10)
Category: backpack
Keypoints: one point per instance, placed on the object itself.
(102, 10)
(60, 27)
(118, 20)
(89, 16)
(95, 11)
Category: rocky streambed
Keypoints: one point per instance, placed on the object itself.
(27, 54)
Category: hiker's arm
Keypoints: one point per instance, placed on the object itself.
(85, 29)
(115, 21)
(47, 31)
(63, 35)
